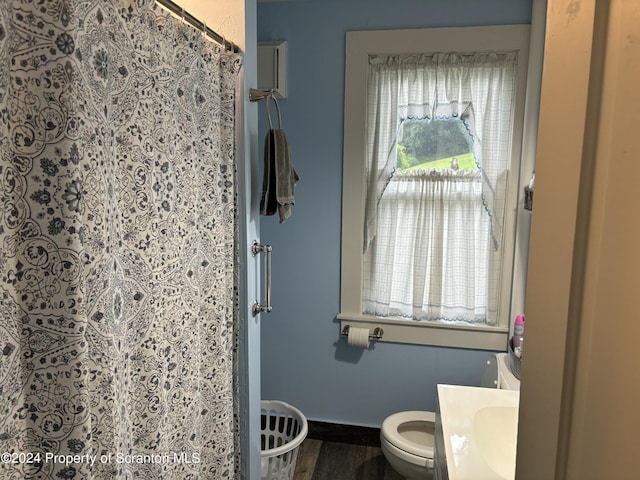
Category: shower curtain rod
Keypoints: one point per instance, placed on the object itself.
(200, 25)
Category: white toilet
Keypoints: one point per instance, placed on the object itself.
(406, 438)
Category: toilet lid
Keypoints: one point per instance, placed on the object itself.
(411, 431)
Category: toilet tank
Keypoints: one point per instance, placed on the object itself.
(497, 373)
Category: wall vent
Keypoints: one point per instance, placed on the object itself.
(272, 67)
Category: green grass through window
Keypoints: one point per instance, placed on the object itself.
(465, 162)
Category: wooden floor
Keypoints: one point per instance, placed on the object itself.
(322, 460)
(339, 455)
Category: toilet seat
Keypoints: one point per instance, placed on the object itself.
(392, 426)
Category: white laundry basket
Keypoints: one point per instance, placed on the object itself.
(283, 428)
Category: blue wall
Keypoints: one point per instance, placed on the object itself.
(304, 359)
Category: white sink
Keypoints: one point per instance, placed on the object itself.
(479, 432)
(496, 433)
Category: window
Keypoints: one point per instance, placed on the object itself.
(434, 144)
(431, 171)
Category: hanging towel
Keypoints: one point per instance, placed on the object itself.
(280, 177)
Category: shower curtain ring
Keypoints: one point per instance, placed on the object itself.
(224, 38)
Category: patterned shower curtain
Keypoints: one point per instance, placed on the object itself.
(117, 238)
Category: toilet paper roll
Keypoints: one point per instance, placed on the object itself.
(358, 337)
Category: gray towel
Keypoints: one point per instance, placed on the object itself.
(279, 175)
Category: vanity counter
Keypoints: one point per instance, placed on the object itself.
(477, 429)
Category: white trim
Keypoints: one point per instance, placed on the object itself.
(528, 155)
(422, 333)
(359, 46)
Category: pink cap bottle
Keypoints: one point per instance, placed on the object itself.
(518, 330)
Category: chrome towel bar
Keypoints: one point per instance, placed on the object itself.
(256, 248)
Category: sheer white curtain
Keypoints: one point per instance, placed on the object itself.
(432, 237)
(432, 241)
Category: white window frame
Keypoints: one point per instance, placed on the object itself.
(359, 46)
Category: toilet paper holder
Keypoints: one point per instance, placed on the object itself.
(376, 335)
